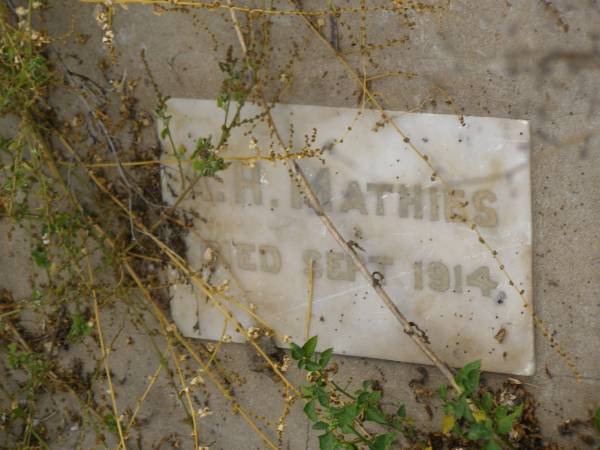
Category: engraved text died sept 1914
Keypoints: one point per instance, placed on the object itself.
(414, 217)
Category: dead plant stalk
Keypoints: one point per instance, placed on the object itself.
(409, 327)
(366, 93)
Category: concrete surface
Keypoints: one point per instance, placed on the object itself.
(495, 58)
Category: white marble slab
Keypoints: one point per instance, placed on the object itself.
(382, 196)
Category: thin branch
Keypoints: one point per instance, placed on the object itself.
(140, 400)
(309, 299)
(411, 329)
(472, 225)
(111, 389)
(157, 312)
(186, 391)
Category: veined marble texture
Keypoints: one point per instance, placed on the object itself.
(469, 293)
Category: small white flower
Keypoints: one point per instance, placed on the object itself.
(223, 287)
(197, 380)
(285, 365)
(209, 254)
(253, 333)
(204, 412)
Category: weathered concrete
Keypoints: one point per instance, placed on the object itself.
(503, 59)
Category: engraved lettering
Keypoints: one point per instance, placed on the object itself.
(407, 198)
(247, 178)
(244, 256)
(354, 199)
(439, 276)
(488, 216)
(315, 256)
(458, 287)
(380, 189)
(340, 267)
(418, 269)
(381, 261)
(454, 205)
(434, 204)
(269, 259)
(480, 278)
(321, 185)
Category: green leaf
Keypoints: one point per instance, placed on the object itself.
(202, 145)
(347, 414)
(443, 392)
(308, 391)
(17, 413)
(504, 421)
(328, 441)
(598, 420)
(110, 423)
(347, 428)
(363, 397)
(461, 408)
(310, 411)
(325, 357)
(401, 412)
(222, 99)
(374, 397)
(504, 424)
(79, 328)
(501, 411)
(518, 412)
(40, 258)
(312, 366)
(492, 445)
(164, 133)
(308, 349)
(479, 431)
(210, 165)
(468, 377)
(296, 351)
(398, 424)
(181, 151)
(4, 143)
(383, 442)
(322, 396)
(487, 402)
(320, 426)
(375, 414)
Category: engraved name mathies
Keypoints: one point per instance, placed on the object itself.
(371, 198)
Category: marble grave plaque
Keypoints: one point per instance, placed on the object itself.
(381, 194)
